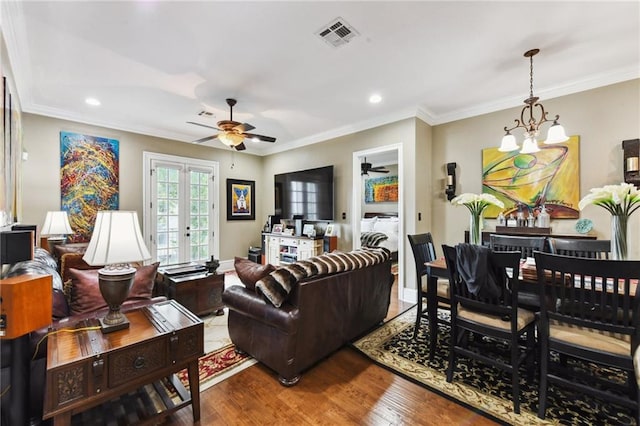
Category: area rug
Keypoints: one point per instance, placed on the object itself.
(220, 360)
(478, 386)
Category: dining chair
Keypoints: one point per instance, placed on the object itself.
(424, 251)
(592, 317)
(526, 246)
(474, 315)
(594, 249)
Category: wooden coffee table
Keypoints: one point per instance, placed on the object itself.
(201, 293)
(126, 376)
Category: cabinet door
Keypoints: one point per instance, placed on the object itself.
(273, 251)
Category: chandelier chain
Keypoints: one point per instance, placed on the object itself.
(531, 76)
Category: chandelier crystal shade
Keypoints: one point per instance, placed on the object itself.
(531, 124)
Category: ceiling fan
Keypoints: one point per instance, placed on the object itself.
(365, 168)
(233, 133)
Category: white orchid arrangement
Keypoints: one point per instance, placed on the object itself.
(476, 203)
(619, 200)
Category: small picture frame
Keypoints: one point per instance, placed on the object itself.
(277, 228)
(309, 230)
(329, 232)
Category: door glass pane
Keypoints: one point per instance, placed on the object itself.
(167, 215)
(199, 209)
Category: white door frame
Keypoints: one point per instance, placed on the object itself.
(357, 204)
(147, 158)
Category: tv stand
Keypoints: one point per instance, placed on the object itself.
(283, 249)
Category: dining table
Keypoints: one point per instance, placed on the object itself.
(437, 268)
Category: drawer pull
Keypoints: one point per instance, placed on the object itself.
(139, 362)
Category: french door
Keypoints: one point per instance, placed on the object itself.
(181, 211)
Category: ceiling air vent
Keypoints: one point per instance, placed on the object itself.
(337, 33)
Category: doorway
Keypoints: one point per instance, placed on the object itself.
(389, 156)
(180, 208)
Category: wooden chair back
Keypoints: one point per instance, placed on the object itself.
(593, 249)
(423, 251)
(525, 245)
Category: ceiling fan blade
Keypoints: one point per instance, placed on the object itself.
(208, 138)
(203, 125)
(240, 147)
(244, 127)
(379, 169)
(261, 138)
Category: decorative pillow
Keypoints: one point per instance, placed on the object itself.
(75, 261)
(372, 239)
(85, 291)
(249, 272)
(43, 256)
(366, 224)
(276, 286)
(386, 226)
(37, 268)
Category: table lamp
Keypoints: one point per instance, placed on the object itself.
(116, 241)
(56, 227)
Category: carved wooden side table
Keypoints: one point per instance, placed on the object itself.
(133, 368)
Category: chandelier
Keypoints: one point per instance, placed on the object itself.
(532, 125)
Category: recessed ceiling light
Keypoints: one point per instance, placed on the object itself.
(375, 99)
(92, 101)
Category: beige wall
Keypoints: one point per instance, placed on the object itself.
(41, 174)
(602, 117)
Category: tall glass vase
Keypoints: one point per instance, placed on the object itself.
(474, 229)
(619, 237)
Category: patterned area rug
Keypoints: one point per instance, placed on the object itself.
(478, 386)
(217, 366)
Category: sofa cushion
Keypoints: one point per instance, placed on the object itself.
(250, 272)
(37, 268)
(85, 291)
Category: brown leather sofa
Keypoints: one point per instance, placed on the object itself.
(320, 315)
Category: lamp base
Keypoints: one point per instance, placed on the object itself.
(114, 285)
(110, 328)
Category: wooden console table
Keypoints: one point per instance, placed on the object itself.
(135, 366)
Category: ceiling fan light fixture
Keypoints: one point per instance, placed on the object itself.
(230, 139)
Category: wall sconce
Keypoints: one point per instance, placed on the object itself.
(631, 161)
(451, 181)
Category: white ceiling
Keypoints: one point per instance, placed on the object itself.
(155, 64)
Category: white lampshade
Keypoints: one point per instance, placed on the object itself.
(230, 139)
(556, 134)
(56, 223)
(508, 143)
(116, 239)
(529, 146)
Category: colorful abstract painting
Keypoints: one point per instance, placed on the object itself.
(550, 177)
(89, 180)
(381, 190)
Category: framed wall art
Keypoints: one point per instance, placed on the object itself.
(381, 190)
(241, 199)
(89, 180)
(550, 177)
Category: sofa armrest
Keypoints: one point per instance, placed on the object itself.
(245, 302)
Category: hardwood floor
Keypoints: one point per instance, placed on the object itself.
(344, 389)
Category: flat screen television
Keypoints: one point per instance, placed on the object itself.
(306, 193)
